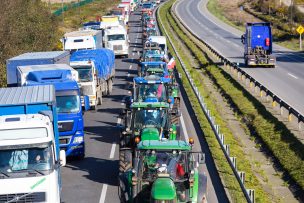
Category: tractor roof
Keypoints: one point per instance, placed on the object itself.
(151, 79)
(150, 105)
(163, 189)
(153, 63)
(164, 145)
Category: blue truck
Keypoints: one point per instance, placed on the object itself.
(257, 42)
(33, 58)
(96, 70)
(30, 159)
(70, 115)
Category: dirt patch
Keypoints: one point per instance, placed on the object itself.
(232, 11)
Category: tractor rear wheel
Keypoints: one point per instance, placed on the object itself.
(125, 160)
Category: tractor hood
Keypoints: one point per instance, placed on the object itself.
(150, 134)
(163, 189)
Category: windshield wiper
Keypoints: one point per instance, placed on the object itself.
(29, 171)
(5, 174)
(17, 198)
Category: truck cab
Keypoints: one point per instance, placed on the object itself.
(116, 39)
(30, 160)
(70, 115)
(82, 39)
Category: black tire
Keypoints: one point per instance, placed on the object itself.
(125, 160)
(110, 86)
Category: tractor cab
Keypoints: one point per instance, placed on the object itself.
(147, 121)
(152, 89)
(166, 171)
(153, 68)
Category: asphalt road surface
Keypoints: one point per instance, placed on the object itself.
(95, 178)
(285, 80)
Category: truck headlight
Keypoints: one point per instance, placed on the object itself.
(78, 140)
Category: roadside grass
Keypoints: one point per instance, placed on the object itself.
(280, 37)
(281, 143)
(74, 18)
(235, 146)
(224, 169)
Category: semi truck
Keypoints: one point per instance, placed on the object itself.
(30, 159)
(82, 39)
(257, 42)
(70, 116)
(33, 58)
(116, 39)
(96, 70)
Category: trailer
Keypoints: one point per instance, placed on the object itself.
(33, 58)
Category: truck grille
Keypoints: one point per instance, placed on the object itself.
(33, 197)
(64, 140)
(117, 47)
(86, 90)
(65, 126)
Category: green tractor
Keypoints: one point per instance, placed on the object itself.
(163, 171)
(147, 121)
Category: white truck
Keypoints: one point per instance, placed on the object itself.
(126, 8)
(30, 160)
(116, 39)
(96, 70)
(82, 39)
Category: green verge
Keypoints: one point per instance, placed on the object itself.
(235, 145)
(224, 169)
(283, 145)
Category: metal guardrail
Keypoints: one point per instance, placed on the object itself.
(258, 86)
(240, 175)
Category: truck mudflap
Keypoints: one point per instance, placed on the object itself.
(253, 60)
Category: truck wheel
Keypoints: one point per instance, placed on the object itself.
(110, 86)
(125, 160)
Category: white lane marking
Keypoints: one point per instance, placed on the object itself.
(130, 67)
(292, 75)
(184, 128)
(103, 193)
(112, 153)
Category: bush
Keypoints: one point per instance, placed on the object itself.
(25, 25)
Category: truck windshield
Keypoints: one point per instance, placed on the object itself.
(68, 104)
(116, 37)
(85, 73)
(150, 118)
(34, 159)
(152, 91)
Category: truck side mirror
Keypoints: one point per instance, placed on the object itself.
(62, 158)
(86, 101)
(201, 158)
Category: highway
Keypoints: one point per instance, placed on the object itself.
(95, 178)
(286, 80)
